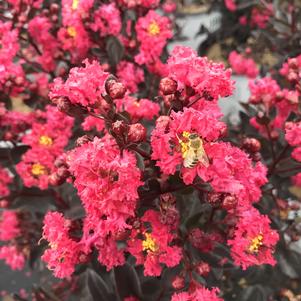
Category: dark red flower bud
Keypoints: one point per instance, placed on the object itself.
(167, 198)
(256, 157)
(252, 145)
(293, 77)
(114, 88)
(119, 127)
(274, 135)
(214, 198)
(3, 204)
(229, 202)
(55, 180)
(137, 133)
(60, 162)
(63, 173)
(82, 140)
(293, 63)
(54, 8)
(178, 282)
(203, 268)
(279, 96)
(168, 86)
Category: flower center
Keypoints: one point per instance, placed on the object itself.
(75, 4)
(149, 244)
(153, 28)
(256, 243)
(45, 140)
(38, 169)
(71, 31)
(184, 144)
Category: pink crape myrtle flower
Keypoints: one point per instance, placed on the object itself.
(130, 75)
(263, 90)
(5, 180)
(84, 85)
(138, 108)
(51, 132)
(152, 247)
(205, 77)
(292, 136)
(153, 31)
(167, 136)
(12, 257)
(199, 294)
(39, 29)
(106, 180)
(91, 123)
(231, 5)
(36, 166)
(9, 225)
(64, 252)
(254, 241)
(242, 65)
(286, 69)
(107, 20)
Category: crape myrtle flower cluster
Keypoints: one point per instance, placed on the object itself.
(186, 142)
(128, 153)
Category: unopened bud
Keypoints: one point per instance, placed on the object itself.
(203, 268)
(114, 88)
(229, 202)
(168, 86)
(63, 173)
(55, 180)
(54, 8)
(120, 128)
(293, 63)
(214, 198)
(178, 282)
(4, 204)
(82, 140)
(137, 133)
(252, 145)
(293, 76)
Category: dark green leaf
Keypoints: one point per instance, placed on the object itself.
(127, 282)
(114, 50)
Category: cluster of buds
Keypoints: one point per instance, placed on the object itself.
(61, 174)
(253, 147)
(223, 200)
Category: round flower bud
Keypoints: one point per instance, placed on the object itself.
(54, 8)
(82, 140)
(119, 127)
(252, 145)
(137, 133)
(55, 180)
(178, 282)
(214, 198)
(229, 202)
(114, 88)
(63, 173)
(3, 204)
(293, 63)
(203, 268)
(168, 86)
(293, 76)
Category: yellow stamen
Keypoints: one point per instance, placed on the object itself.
(45, 140)
(75, 4)
(149, 244)
(153, 28)
(184, 145)
(71, 31)
(256, 243)
(38, 169)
